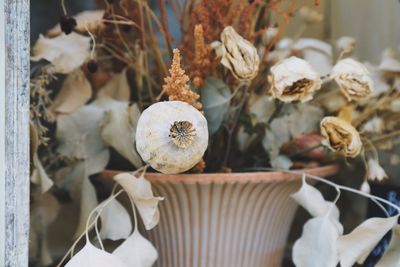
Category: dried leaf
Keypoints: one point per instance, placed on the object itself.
(317, 245)
(90, 256)
(215, 96)
(65, 52)
(115, 221)
(39, 175)
(282, 162)
(139, 189)
(119, 131)
(88, 201)
(391, 257)
(79, 134)
(136, 251)
(312, 200)
(117, 88)
(357, 245)
(75, 92)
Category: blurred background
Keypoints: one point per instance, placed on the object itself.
(375, 25)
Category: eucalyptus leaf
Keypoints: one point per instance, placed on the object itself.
(215, 96)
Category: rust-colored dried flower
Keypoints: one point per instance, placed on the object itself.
(201, 62)
(176, 84)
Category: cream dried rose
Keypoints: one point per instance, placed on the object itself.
(237, 54)
(340, 136)
(353, 79)
(293, 79)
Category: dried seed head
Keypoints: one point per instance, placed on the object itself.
(182, 133)
(67, 24)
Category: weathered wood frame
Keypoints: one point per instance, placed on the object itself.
(14, 136)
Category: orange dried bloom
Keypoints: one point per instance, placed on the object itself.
(202, 52)
(199, 167)
(176, 84)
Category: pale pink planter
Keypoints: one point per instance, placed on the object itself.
(224, 220)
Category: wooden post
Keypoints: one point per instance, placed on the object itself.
(14, 139)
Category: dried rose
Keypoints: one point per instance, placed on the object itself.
(237, 54)
(340, 136)
(294, 79)
(353, 78)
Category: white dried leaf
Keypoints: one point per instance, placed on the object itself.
(136, 251)
(374, 125)
(313, 201)
(391, 257)
(378, 78)
(79, 133)
(317, 245)
(75, 92)
(117, 88)
(90, 256)
(88, 201)
(312, 44)
(310, 15)
(39, 175)
(115, 221)
(65, 52)
(390, 61)
(357, 245)
(139, 189)
(365, 187)
(119, 130)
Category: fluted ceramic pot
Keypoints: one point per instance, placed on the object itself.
(224, 220)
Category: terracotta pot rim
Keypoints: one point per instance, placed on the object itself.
(236, 177)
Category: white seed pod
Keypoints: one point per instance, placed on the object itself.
(171, 136)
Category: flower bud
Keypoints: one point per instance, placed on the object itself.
(353, 79)
(294, 79)
(340, 136)
(238, 55)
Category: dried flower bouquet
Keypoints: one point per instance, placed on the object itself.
(233, 95)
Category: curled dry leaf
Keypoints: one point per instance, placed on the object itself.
(294, 79)
(136, 251)
(346, 44)
(118, 130)
(357, 245)
(39, 175)
(237, 54)
(391, 257)
(115, 221)
(75, 92)
(312, 200)
(353, 78)
(117, 88)
(340, 136)
(139, 189)
(317, 245)
(65, 52)
(90, 256)
(88, 201)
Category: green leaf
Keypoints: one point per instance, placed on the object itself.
(216, 96)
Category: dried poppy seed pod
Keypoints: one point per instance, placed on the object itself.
(353, 79)
(67, 24)
(238, 55)
(171, 136)
(294, 79)
(340, 136)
